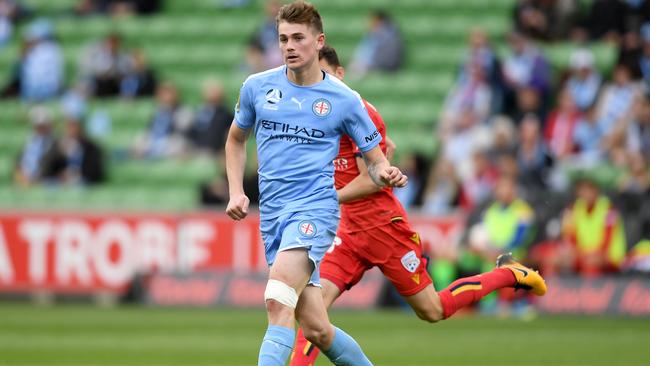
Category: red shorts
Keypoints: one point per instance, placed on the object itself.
(394, 248)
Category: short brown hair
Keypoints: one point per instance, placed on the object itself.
(328, 53)
(300, 12)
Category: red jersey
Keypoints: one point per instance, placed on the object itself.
(377, 209)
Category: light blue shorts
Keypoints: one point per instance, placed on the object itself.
(314, 231)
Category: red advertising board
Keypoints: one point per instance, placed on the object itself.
(613, 295)
(227, 288)
(70, 252)
(85, 253)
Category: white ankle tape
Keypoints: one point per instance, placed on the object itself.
(282, 293)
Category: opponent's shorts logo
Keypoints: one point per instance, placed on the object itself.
(307, 228)
(321, 107)
(337, 241)
(410, 261)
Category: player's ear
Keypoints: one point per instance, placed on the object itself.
(320, 41)
(339, 72)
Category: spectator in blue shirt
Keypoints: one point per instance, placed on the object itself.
(29, 164)
(42, 68)
(584, 82)
(382, 48)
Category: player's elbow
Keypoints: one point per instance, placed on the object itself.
(235, 140)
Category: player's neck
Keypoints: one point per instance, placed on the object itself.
(306, 76)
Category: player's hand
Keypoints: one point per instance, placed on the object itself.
(393, 177)
(238, 207)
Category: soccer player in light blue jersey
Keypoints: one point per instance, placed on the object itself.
(298, 113)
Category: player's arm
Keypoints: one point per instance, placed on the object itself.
(235, 164)
(380, 170)
(362, 185)
(390, 149)
(364, 133)
(359, 187)
(236, 151)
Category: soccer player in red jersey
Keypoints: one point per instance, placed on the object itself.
(374, 231)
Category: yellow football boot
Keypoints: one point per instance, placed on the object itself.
(527, 278)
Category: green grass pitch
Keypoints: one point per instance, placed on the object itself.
(130, 336)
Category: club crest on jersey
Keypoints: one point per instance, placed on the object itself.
(321, 107)
(307, 228)
(410, 261)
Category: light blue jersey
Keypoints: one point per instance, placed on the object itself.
(297, 129)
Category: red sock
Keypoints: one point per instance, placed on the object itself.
(468, 290)
(304, 353)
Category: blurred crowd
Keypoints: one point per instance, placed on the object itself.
(551, 164)
(105, 68)
(111, 68)
(381, 49)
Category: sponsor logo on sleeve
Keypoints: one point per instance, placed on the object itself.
(372, 136)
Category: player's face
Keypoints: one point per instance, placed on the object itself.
(299, 44)
(339, 72)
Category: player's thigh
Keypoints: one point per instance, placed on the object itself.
(344, 264)
(426, 304)
(401, 257)
(313, 231)
(293, 267)
(331, 292)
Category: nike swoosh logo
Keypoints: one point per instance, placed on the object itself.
(525, 273)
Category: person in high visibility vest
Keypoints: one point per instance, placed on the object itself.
(506, 225)
(594, 229)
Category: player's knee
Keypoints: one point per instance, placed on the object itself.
(281, 300)
(275, 307)
(279, 292)
(428, 306)
(430, 315)
(318, 335)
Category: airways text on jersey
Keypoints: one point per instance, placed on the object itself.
(290, 132)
